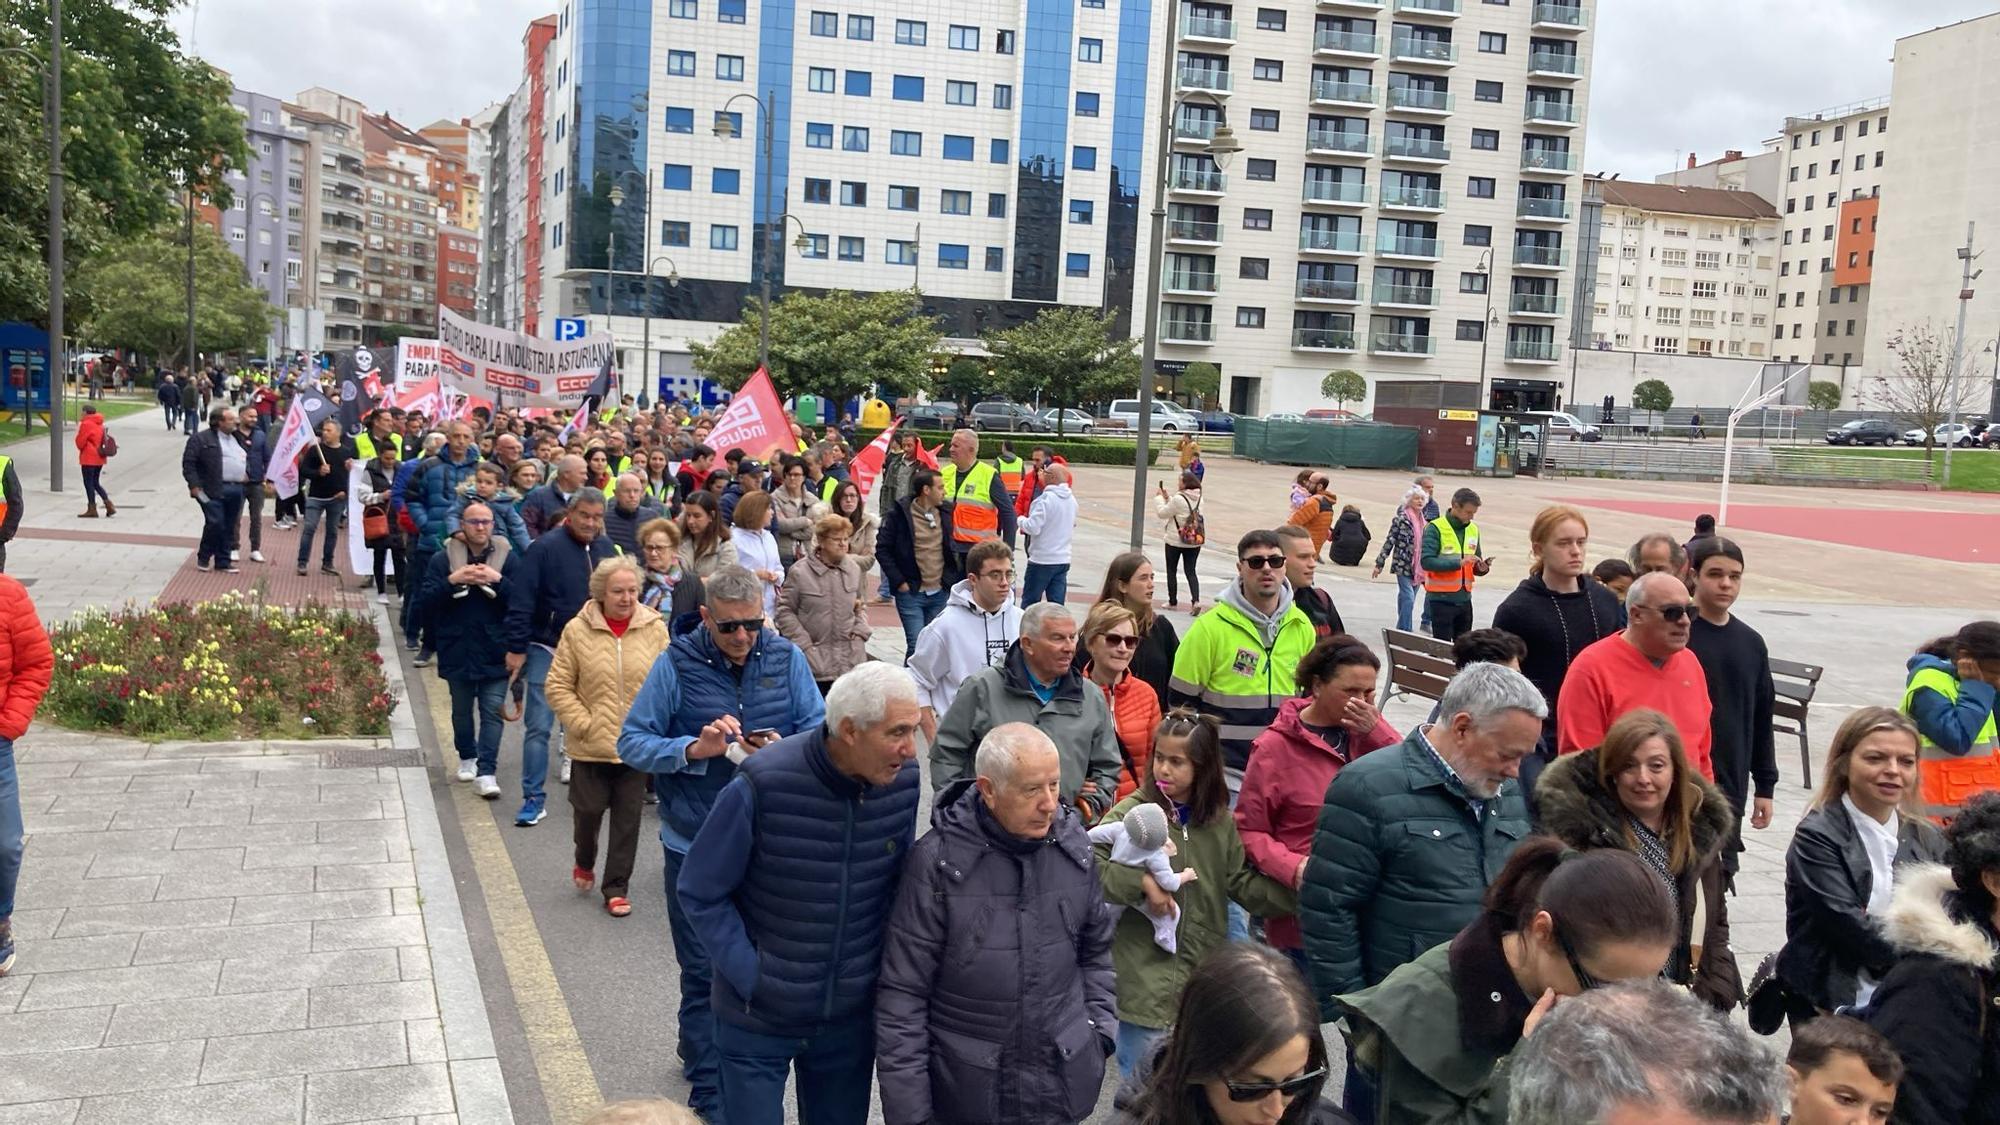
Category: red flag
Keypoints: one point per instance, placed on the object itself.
(928, 457)
(754, 421)
(867, 464)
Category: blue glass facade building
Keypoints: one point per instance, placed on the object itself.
(1048, 42)
(608, 68)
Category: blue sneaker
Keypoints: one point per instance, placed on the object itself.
(531, 813)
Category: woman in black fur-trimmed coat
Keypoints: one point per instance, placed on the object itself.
(1637, 792)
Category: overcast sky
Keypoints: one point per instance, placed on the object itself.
(1670, 77)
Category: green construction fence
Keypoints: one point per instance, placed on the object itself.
(1335, 444)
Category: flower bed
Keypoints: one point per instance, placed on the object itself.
(231, 668)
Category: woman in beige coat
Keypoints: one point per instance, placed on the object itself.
(820, 605)
(847, 504)
(791, 512)
(600, 663)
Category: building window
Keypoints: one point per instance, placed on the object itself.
(996, 259)
(1003, 96)
(1253, 269)
(907, 88)
(735, 120)
(954, 202)
(1270, 19)
(853, 249)
(861, 27)
(1264, 120)
(821, 191)
(729, 68)
(912, 33)
(957, 148)
(721, 238)
(679, 119)
(1479, 187)
(860, 83)
(1472, 283)
(1086, 104)
(1488, 139)
(673, 233)
(1260, 169)
(729, 11)
(1003, 42)
(1248, 316)
(1478, 235)
(1077, 265)
(1492, 43)
(853, 194)
(903, 143)
(1090, 50)
(961, 93)
(903, 198)
(680, 64)
(900, 252)
(815, 248)
(725, 181)
(954, 256)
(819, 80)
(853, 138)
(1081, 212)
(1267, 70)
(683, 9)
(1471, 330)
(964, 38)
(826, 25)
(997, 153)
(677, 177)
(819, 134)
(1256, 218)
(1488, 91)
(1083, 158)
(996, 205)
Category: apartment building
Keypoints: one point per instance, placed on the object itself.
(1835, 162)
(516, 149)
(401, 253)
(458, 270)
(1684, 270)
(334, 169)
(1761, 174)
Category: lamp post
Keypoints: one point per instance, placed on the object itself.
(616, 196)
(1485, 270)
(1967, 276)
(646, 333)
(58, 362)
(725, 127)
(1222, 143)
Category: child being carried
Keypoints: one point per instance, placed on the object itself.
(1139, 839)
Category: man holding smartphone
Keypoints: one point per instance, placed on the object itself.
(718, 695)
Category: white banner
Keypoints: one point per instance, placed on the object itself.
(500, 365)
(360, 560)
(416, 360)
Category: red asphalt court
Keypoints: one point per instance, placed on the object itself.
(1972, 537)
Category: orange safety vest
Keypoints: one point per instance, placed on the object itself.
(1948, 780)
(1467, 550)
(1010, 473)
(973, 516)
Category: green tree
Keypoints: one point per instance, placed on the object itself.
(965, 380)
(1653, 395)
(139, 119)
(1204, 381)
(1066, 355)
(834, 345)
(137, 296)
(1823, 394)
(1344, 386)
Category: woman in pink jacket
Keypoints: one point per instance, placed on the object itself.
(1333, 722)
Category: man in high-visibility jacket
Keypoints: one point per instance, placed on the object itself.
(1012, 468)
(1952, 704)
(381, 428)
(981, 507)
(1451, 560)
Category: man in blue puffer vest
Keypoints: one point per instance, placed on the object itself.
(715, 697)
(790, 885)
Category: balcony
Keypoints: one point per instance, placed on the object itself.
(1187, 331)
(1336, 192)
(1197, 182)
(1406, 296)
(1200, 282)
(1343, 93)
(1559, 17)
(1535, 304)
(1336, 142)
(1393, 246)
(1193, 230)
(1194, 130)
(1548, 160)
(1447, 9)
(1540, 257)
(1554, 64)
(1330, 241)
(1401, 343)
(1542, 111)
(1208, 28)
(1408, 49)
(1204, 78)
(1323, 339)
(1409, 99)
(1422, 150)
(1408, 198)
(1532, 351)
(1330, 42)
(1353, 5)
(1330, 291)
(1542, 210)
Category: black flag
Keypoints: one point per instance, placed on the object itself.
(600, 387)
(360, 380)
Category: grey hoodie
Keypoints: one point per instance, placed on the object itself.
(1267, 626)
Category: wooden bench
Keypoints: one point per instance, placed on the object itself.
(1795, 684)
(1418, 665)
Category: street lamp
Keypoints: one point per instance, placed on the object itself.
(1485, 270)
(616, 197)
(646, 363)
(725, 127)
(58, 363)
(1222, 144)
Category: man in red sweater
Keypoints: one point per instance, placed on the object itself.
(1647, 665)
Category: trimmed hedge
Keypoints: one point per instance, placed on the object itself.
(1077, 449)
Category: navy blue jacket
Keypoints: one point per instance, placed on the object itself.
(433, 493)
(691, 685)
(201, 461)
(470, 633)
(896, 547)
(260, 456)
(552, 584)
(790, 885)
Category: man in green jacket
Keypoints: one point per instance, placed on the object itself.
(1411, 835)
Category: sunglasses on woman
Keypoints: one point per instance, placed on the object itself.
(1116, 640)
(1288, 1089)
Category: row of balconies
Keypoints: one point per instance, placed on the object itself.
(1409, 50)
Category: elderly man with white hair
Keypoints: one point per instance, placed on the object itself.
(629, 510)
(1034, 995)
(1035, 684)
(789, 885)
(1051, 524)
(1647, 665)
(1642, 1053)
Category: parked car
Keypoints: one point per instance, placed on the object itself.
(933, 416)
(1331, 414)
(1217, 421)
(1862, 431)
(1074, 421)
(1004, 416)
(1947, 433)
(1286, 416)
(1167, 417)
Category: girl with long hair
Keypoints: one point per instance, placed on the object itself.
(1128, 581)
(1184, 530)
(705, 541)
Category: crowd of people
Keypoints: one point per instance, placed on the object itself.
(1179, 852)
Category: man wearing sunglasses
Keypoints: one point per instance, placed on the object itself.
(718, 695)
(1647, 665)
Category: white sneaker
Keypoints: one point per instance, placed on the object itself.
(565, 769)
(467, 768)
(486, 787)
(256, 556)
(382, 598)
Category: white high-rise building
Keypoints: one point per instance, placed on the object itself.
(1684, 270)
(1835, 164)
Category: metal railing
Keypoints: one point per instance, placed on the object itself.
(1547, 160)
(1401, 343)
(1335, 191)
(1530, 207)
(1410, 97)
(1348, 42)
(1194, 230)
(1191, 281)
(1564, 15)
(1554, 62)
(1327, 90)
(1207, 27)
(1412, 49)
(1331, 241)
(1535, 304)
(1336, 140)
(1204, 78)
(1406, 247)
(1194, 128)
(1327, 289)
(1188, 331)
(1414, 148)
(1419, 295)
(1434, 7)
(1187, 179)
(1542, 350)
(1542, 109)
(1549, 256)
(1423, 198)
(1324, 339)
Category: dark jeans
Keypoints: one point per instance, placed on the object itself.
(287, 508)
(488, 697)
(317, 509)
(1358, 1096)
(188, 418)
(1449, 620)
(254, 495)
(1182, 557)
(413, 620)
(93, 486)
(918, 610)
(383, 558)
(12, 840)
(596, 788)
(699, 1064)
(1045, 582)
(219, 514)
(835, 1064)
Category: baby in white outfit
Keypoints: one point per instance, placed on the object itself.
(1139, 839)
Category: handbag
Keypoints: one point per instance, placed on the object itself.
(107, 447)
(375, 522)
